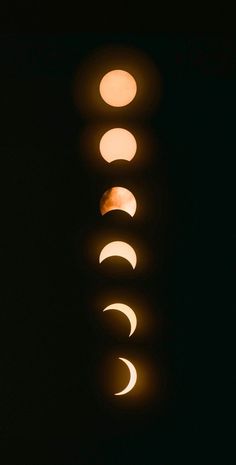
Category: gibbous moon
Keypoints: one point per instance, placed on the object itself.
(133, 377)
(118, 198)
(118, 88)
(128, 312)
(120, 249)
(118, 144)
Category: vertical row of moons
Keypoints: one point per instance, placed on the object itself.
(118, 88)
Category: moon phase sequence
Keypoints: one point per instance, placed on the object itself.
(119, 249)
(132, 380)
(127, 311)
(118, 198)
(118, 88)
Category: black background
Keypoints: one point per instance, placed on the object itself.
(54, 341)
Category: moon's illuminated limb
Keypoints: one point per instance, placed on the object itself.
(118, 198)
(120, 249)
(118, 88)
(118, 144)
(127, 311)
(133, 377)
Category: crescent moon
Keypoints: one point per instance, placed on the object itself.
(133, 377)
(118, 198)
(120, 249)
(128, 312)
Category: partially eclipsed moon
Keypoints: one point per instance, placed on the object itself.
(133, 377)
(117, 144)
(120, 249)
(118, 198)
(128, 312)
(118, 88)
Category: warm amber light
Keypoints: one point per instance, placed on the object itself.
(127, 311)
(133, 377)
(118, 88)
(118, 198)
(119, 249)
(118, 144)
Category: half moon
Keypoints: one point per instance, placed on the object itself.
(117, 144)
(118, 198)
(119, 249)
(128, 312)
(133, 377)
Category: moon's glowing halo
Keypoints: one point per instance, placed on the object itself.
(120, 249)
(133, 377)
(118, 144)
(118, 88)
(118, 198)
(127, 311)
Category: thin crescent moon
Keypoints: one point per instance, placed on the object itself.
(118, 198)
(133, 377)
(120, 249)
(128, 312)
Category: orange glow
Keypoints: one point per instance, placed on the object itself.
(118, 198)
(118, 144)
(118, 88)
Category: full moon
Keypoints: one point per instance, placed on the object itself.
(118, 144)
(118, 88)
(118, 198)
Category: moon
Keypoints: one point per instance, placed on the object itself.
(120, 249)
(133, 377)
(118, 144)
(118, 88)
(127, 311)
(118, 198)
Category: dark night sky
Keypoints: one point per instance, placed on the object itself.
(54, 342)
